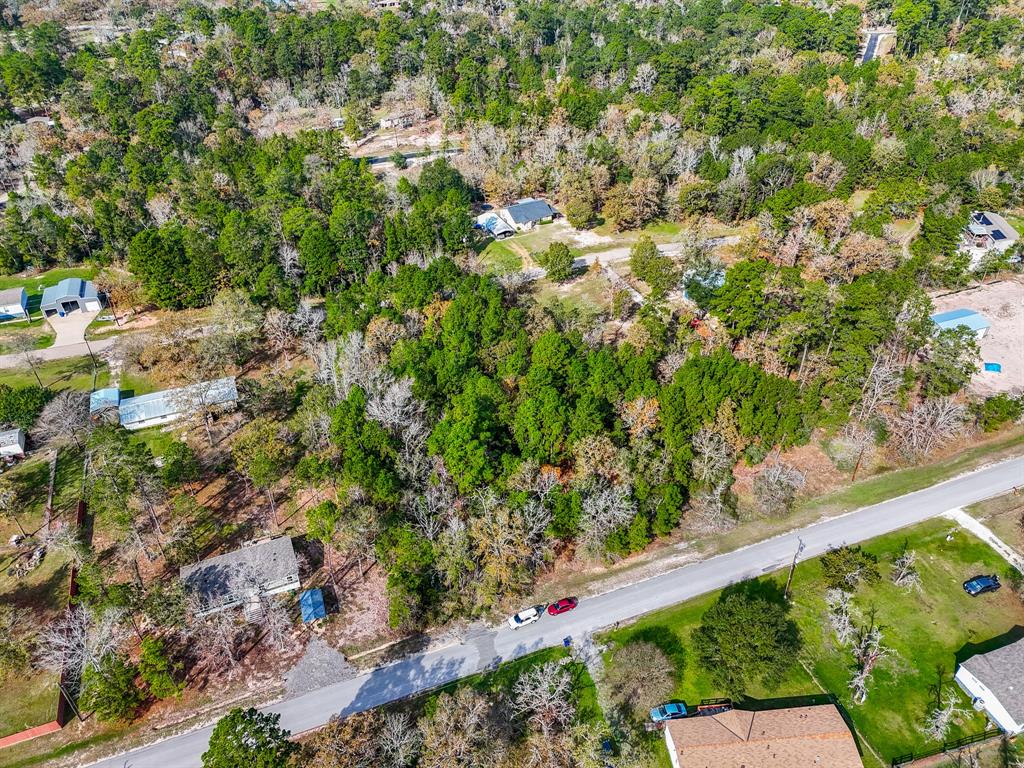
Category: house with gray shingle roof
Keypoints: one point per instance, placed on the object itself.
(995, 681)
(527, 213)
(241, 577)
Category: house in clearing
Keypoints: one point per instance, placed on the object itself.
(962, 318)
(527, 213)
(995, 682)
(70, 294)
(13, 304)
(797, 737)
(242, 577)
(987, 232)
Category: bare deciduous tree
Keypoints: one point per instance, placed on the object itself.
(918, 432)
(543, 696)
(399, 740)
(840, 615)
(65, 539)
(776, 487)
(64, 419)
(904, 571)
(79, 640)
(939, 720)
(713, 457)
(867, 652)
(603, 510)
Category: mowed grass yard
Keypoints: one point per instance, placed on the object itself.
(70, 373)
(929, 632)
(30, 699)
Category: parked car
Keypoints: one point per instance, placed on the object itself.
(979, 585)
(562, 606)
(524, 617)
(670, 711)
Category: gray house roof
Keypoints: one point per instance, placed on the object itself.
(267, 562)
(68, 289)
(11, 437)
(992, 224)
(1002, 672)
(10, 296)
(530, 210)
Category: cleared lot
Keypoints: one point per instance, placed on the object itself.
(1002, 304)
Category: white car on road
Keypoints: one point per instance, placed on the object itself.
(524, 617)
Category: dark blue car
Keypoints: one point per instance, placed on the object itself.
(979, 585)
(665, 712)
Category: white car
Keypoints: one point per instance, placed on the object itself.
(524, 617)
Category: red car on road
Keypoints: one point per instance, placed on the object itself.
(562, 606)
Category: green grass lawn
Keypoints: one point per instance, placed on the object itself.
(928, 632)
(157, 438)
(70, 373)
(29, 700)
(501, 258)
(137, 384)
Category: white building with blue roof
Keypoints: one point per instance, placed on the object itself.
(962, 318)
(167, 406)
(70, 294)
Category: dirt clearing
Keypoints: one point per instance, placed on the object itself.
(1002, 304)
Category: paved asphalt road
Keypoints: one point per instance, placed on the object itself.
(424, 671)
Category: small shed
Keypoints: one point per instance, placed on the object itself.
(12, 443)
(13, 304)
(962, 318)
(312, 603)
(70, 294)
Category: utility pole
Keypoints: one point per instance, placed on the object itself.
(792, 568)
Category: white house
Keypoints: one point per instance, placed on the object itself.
(962, 318)
(13, 304)
(241, 577)
(987, 232)
(995, 682)
(12, 443)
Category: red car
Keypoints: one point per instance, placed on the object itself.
(562, 606)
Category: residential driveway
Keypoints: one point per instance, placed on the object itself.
(70, 329)
(478, 651)
(69, 342)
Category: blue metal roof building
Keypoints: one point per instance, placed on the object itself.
(101, 399)
(70, 294)
(171, 404)
(957, 318)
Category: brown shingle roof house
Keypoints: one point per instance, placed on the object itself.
(799, 737)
